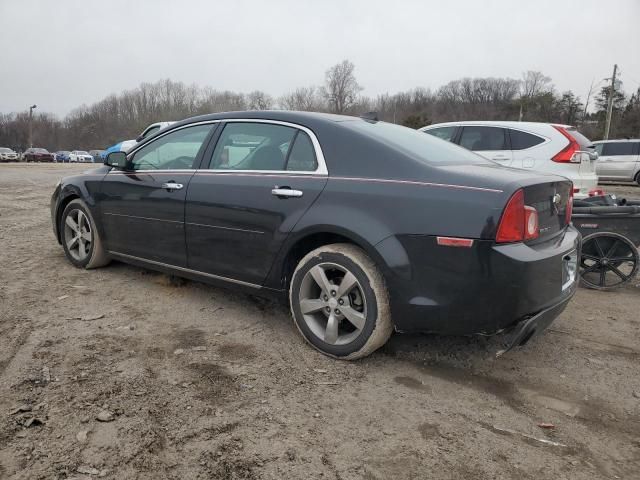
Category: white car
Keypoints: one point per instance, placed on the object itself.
(544, 147)
(8, 155)
(80, 156)
(618, 160)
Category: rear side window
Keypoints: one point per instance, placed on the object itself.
(302, 156)
(619, 148)
(445, 133)
(253, 146)
(480, 139)
(523, 140)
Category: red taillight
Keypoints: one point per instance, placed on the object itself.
(531, 227)
(568, 153)
(519, 221)
(569, 208)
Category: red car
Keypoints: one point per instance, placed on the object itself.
(37, 155)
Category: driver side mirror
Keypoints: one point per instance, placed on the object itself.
(116, 160)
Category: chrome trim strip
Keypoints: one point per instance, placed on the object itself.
(413, 182)
(142, 218)
(183, 269)
(322, 165)
(225, 228)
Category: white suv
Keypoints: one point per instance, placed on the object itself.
(544, 147)
(618, 160)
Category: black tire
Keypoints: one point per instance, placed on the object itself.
(638, 178)
(96, 255)
(603, 255)
(370, 290)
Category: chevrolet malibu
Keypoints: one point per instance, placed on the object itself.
(366, 227)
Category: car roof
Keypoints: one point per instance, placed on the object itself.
(302, 118)
(507, 123)
(619, 140)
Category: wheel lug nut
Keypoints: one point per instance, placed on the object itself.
(325, 298)
(328, 309)
(341, 302)
(333, 293)
(337, 311)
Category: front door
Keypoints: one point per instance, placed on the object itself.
(490, 142)
(258, 182)
(142, 206)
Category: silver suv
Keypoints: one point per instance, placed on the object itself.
(618, 160)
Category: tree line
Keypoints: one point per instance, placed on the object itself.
(123, 116)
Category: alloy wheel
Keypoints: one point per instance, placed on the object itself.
(78, 235)
(332, 303)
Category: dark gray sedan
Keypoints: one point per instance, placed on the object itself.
(364, 226)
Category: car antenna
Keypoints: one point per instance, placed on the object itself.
(370, 116)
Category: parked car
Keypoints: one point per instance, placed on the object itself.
(8, 155)
(97, 155)
(62, 156)
(364, 226)
(37, 155)
(543, 147)
(618, 160)
(125, 145)
(80, 156)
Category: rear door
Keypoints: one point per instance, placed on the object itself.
(618, 160)
(253, 187)
(488, 141)
(142, 207)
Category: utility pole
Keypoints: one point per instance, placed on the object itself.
(31, 125)
(610, 106)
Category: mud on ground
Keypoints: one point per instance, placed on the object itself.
(200, 382)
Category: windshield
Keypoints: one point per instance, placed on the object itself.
(81, 152)
(425, 148)
(40, 150)
(6, 150)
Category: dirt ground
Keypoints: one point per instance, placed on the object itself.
(200, 382)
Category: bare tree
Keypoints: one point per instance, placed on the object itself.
(533, 85)
(341, 88)
(259, 100)
(303, 98)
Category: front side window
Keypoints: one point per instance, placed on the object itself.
(445, 133)
(253, 146)
(523, 140)
(618, 148)
(176, 150)
(479, 139)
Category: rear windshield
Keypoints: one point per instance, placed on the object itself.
(416, 144)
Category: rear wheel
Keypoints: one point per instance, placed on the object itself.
(608, 261)
(80, 238)
(638, 178)
(340, 303)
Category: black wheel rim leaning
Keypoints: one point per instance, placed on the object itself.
(608, 261)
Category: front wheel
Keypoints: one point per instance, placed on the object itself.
(80, 238)
(340, 303)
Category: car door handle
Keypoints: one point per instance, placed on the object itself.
(172, 186)
(285, 192)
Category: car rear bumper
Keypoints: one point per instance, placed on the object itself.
(485, 289)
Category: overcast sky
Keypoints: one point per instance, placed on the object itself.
(60, 54)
